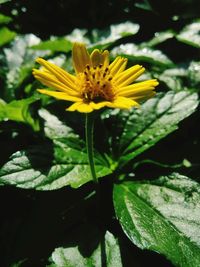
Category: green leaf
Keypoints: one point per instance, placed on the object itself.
(79, 35)
(173, 78)
(53, 127)
(191, 34)
(107, 251)
(139, 129)
(18, 264)
(144, 5)
(4, 1)
(19, 61)
(194, 74)
(145, 54)
(163, 216)
(6, 36)
(18, 110)
(159, 37)
(54, 45)
(53, 166)
(103, 39)
(4, 19)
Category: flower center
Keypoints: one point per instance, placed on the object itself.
(97, 84)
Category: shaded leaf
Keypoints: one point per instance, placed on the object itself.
(6, 36)
(144, 5)
(4, 1)
(163, 216)
(190, 34)
(4, 19)
(139, 129)
(136, 53)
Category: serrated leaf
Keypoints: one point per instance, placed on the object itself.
(139, 129)
(6, 36)
(50, 167)
(54, 45)
(145, 54)
(190, 34)
(4, 19)
(173, 78)
(18, 110)
(72, 256)
(163, 216)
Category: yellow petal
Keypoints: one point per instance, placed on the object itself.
(98, 58)
(50, 80)
(136, 88)
(100, 104)
(57, 85)
(80, 107)
(128, 76)
(62, 75)
(80, 57)
(118, 65)
(143, 97)
(123, 103)
(60, 95)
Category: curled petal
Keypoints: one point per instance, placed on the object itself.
(98, 58)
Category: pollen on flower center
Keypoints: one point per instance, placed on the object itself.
(97, 84)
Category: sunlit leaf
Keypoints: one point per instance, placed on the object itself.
(50, 167)
(19, 61)
(18, 110)
(107, 253)
(159, 37)
(163, 216)
(78, 35)
(190, 34)
(54, 45)
(173, 78)
(194, 74)
(135, 53)
(105, 38)
(53, 127)
(6, 36)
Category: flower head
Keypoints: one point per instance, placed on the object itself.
(97, 83)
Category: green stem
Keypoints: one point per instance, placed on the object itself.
(89, 127)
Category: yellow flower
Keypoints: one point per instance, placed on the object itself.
(97, 83)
